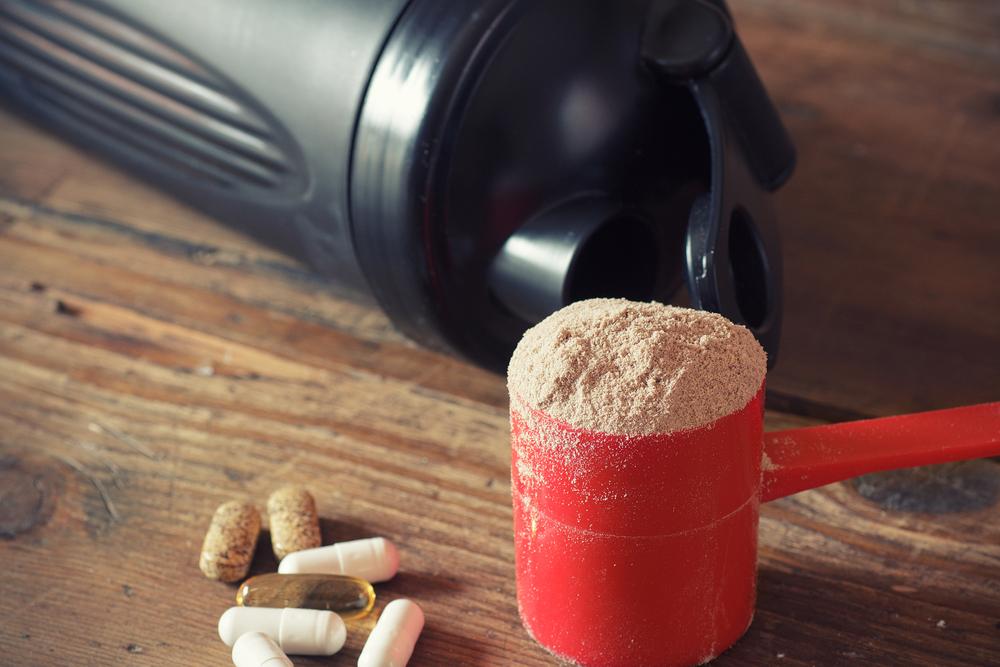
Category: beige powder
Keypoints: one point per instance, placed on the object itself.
(623, 367)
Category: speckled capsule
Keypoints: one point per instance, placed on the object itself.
(230, 541)
(294, 521)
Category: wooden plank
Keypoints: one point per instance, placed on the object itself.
(154, 363)
(892, 220)
(131, 414)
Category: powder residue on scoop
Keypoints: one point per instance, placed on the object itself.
(618, 366)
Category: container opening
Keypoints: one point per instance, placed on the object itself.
(618, 260)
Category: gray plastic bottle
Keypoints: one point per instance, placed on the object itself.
(471, 164)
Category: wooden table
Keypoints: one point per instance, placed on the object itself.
(154, 364)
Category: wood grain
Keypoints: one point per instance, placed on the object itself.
(891, 223)
(130, 366)
(154, 364)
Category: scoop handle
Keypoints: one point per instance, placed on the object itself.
(806, 458)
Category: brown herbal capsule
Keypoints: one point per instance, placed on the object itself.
(230, 541)
(294, 522)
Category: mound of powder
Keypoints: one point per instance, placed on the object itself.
(630, 368)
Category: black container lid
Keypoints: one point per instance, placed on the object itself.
(504, 145)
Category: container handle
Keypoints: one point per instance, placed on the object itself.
(733, 256)
(800, 459)
(693, 43)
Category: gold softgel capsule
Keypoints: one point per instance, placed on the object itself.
(349, 597)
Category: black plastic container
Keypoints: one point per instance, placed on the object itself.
(473, 165)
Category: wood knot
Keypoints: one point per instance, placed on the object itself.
(26, 497)
(965, 486)
(67, 309)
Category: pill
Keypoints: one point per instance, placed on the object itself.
(391, 641)
(230, 541)
(294, 522)
(374, 559)
(297, 631)
(348, 596)
(255, 649)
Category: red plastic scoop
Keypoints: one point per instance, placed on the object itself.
(642, 550)
(805, 458)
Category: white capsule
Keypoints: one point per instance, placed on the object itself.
(297, 631)
(255, 649)
(392, 640)
(374, 559)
